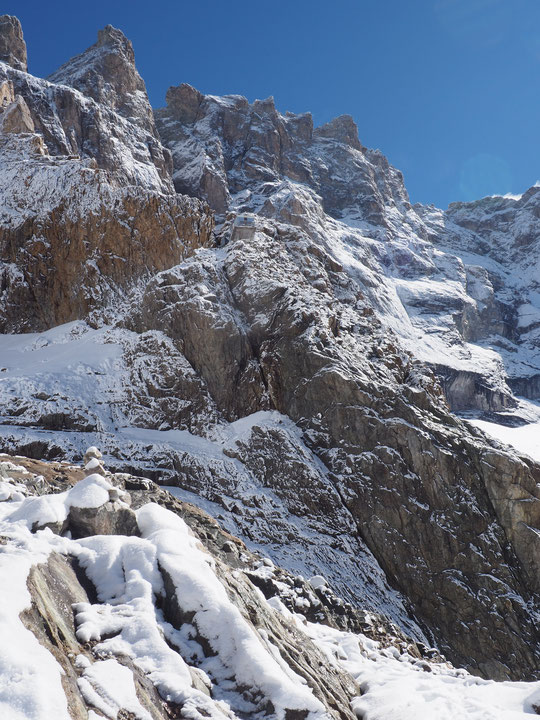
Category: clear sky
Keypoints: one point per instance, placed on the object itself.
(449, 90)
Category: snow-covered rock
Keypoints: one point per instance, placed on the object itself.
(467, 311)
(284, 379)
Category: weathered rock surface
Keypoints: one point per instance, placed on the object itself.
(413, 478)
(16, 117)
(85, 190)
(117, 132)
(66, 253)
(427, 274)
(375, 459)
(499, 237)
(282, 379)
(12, 45)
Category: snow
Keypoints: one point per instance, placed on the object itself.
(125, 622)
(199, 591)
(126, 143)
(528, 315)
(524, 439)
(109, 687)
(84, 372)
(30, 677)
(92, 492)
(395, 684)
(317, 581)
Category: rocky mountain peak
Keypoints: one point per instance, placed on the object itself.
(266, 106)
(222, 147)
(300, 126)
(110, 36)
(106, 72)
(343, 129)
(12, 45)
(183, 101)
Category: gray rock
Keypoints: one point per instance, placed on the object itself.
(16, 118)
(112, 518)
(12, 45)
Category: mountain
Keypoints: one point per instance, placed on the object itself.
(247, 309)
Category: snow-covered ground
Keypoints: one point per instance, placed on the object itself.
(127, 572)
(396, 685)
(525, 438)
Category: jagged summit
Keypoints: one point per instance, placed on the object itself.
(106, 72)
(12, 45)
(343, 129)
(96, 107)
(225, 146)
(113, 37)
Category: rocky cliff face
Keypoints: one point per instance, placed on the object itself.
(283, 379)
(499, 237)
(73, 243)
(12, 45)
(427, 274)
(85, 190)
(108, 121)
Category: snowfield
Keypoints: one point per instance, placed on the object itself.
(525, 439)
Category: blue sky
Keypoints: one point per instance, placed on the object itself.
(449, 90)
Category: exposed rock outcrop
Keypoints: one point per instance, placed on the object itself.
(117, 131)
(67, 253)
(452, 309)
(106, 72)
(15, 116)
(67, 590)
(12, 45)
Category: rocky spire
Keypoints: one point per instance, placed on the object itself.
(107, 73)
(343, 129)
(183, 102)
(12, 45)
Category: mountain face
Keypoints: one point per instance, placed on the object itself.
(297, 377)
(459, 288)
(85, 189)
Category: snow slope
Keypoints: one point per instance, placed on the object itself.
(525, 439)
